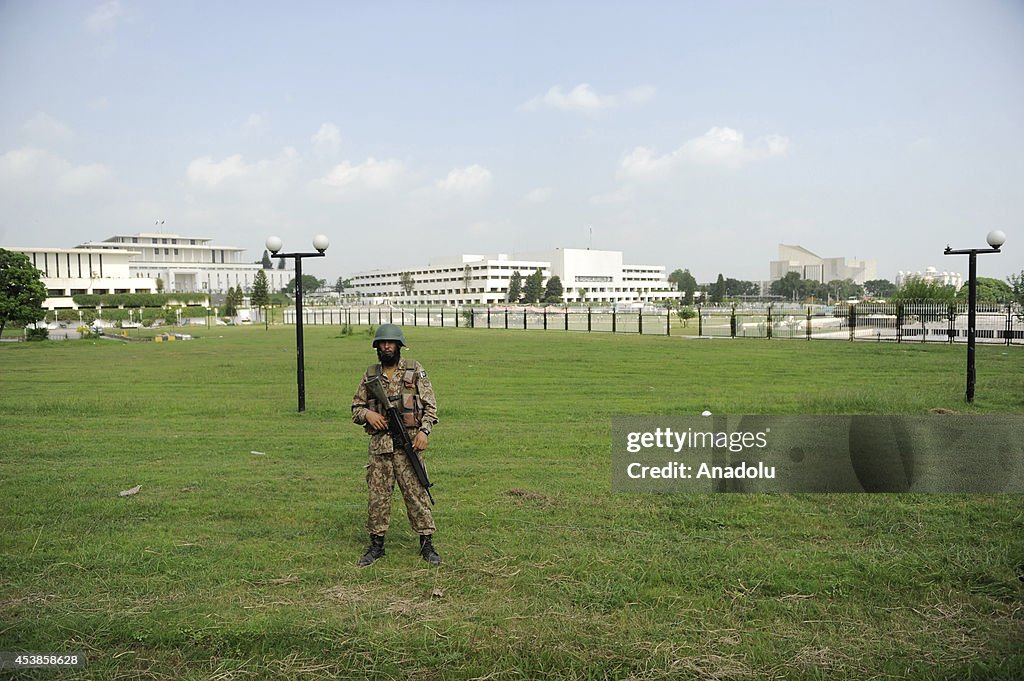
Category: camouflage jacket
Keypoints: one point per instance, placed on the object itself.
(413, 391)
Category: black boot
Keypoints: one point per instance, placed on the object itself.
(427, 550)
(374, 551)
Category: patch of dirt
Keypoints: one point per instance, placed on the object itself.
(531, 496)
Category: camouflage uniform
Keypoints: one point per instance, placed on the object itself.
(416, 399)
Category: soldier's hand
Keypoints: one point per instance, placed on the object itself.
(376, 421)
(420, 442)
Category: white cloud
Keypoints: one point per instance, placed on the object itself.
(643, 163)
(719, 147)
(474, 179)
(257, 124)
(210, 174)
(20, 162)
(583, 98)
(726, 147)
(46, 129)
(105, 17)
(538, 195)
(82, 180)
(638, 95)
(372, 175)
(34, 171)
(234, 173)
(327, 139)
(620, 195)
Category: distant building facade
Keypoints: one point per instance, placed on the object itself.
(586, 276)
(132, 263)
(73, 271)
(816, 268)
(188, 264)
(932, 276)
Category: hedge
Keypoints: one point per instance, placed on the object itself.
(138, 299)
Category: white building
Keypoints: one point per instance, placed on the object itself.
(189, 264)
(482, 279)
(811, 266)
(72, 271)
(932, 276)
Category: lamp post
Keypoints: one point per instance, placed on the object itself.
(320, 243)
(995, 239)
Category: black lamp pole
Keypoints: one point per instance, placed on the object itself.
(274, 245)
(995, 240)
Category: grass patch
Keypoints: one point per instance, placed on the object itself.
(236, 558)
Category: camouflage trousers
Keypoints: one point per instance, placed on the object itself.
(382, 472)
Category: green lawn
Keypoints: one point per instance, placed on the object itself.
(237, 557)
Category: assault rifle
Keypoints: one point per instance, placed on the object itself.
(399, 435)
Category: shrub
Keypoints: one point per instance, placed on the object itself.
(37, 334)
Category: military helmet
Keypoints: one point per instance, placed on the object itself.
(391, 332)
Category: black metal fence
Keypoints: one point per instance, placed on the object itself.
(894, 322)
(891, 322)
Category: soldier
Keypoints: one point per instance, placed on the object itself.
(405, 381)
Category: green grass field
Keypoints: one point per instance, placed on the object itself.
(237, 557)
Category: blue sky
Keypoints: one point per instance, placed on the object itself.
(696, 135)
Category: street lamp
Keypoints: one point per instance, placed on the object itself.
(320, 243)
(995, 239)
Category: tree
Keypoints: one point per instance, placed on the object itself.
(918, 289)
(789, 287)
(239, 298)
(309, 283)
(735, 288)
(685, 283)
(718, 289)
(581, 294)
(341, 284)
(879, 288)
(267, 262)
(260, 290)
(230, 307)
(989, 291)
(159, 285)
(1016, 282)
(515, 288)
(408, 282)
(280, 263)
(554, 290)
(467, 278)
(686, 313)
(844, 289)
(22, 291)
(534, 288)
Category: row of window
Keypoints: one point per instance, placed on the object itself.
(70, 265)
(155, 254)
(153, 240)
(65, 292)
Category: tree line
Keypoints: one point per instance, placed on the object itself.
(793, 287)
